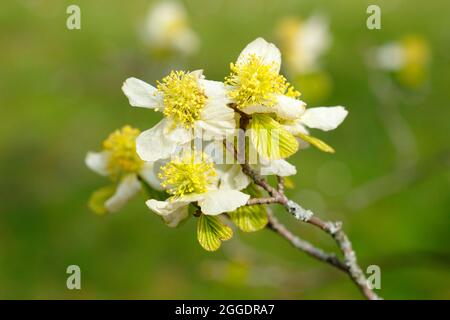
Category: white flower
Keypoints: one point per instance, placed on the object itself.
(120, 162)
(193, 178)
(305, 42)
(256, 86)
(257, 89)
(166, 28)
(190, 104)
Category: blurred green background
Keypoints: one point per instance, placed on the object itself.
(60, 97)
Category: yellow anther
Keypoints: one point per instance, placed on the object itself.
(183, 97)
(257, 83)
(192, 173)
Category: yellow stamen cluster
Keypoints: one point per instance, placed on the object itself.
(257, 83)
(122, 145)
(189, 174)
(183, 97)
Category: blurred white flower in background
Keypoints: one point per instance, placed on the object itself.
(304, 42)
(389, 57)
(408, 58)
(166, 29)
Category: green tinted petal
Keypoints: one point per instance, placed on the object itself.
(98, 198)
(211, 232)
(270, 139)
(319, 144)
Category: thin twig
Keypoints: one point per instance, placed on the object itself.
(259, 180)
(257, 201)
(280, 184)
(334, 229)
(303, 245)
(355, 272)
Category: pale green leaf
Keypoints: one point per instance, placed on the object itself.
(211, 232)
(270, 139)
(319, 144)
(98, 198)
(249, 218)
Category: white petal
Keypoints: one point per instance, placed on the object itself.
(232, 177)
(198, 74)
(280, 168)
(172, 212)
(149, 173)
(214, 90)
(127, 188)
(98, 162)
(257, 108)
(286, 108)
(161, 141)
(268, 53)
(289, 108)
(218, 111)
(220, 201)
(141, 94)
(215, 150)
(217, 120)
(324, 118)
(177, 134)
(295, 128)
(215, 129)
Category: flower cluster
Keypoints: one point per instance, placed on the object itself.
(254, 117)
